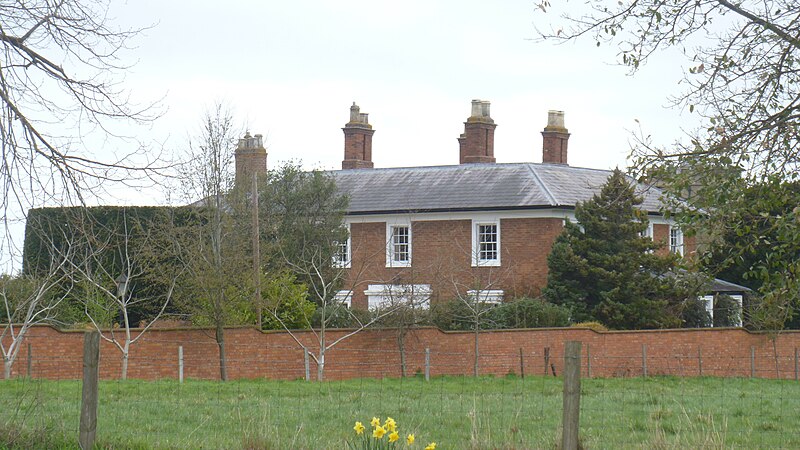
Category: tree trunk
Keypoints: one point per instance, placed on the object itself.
(401, 344)
(321, 365)
(7, 363)
(477, 350)
(124, 375)
(220, 335)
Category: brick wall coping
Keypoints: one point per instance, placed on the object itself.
(506, 330)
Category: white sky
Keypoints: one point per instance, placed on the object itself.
(290, 70)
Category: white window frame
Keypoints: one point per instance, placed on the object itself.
(487, 296)
(348, 252)
(382, 295)
(390, 245)
(344, 297)
(648, 232)
(677, 246)
(476, 250)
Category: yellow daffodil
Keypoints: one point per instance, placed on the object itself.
(410, 439)
(359, 428)
(431, 446)
(393, 436)
(390, 424)
(378, 432)
(375, 422)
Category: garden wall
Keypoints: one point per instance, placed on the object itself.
(251, 353)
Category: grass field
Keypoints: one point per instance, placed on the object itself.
(455, 412)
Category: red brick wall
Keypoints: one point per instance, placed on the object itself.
(374, 353)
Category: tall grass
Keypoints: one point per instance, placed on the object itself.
(456, 412)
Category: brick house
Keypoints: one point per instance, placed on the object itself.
(477, 228)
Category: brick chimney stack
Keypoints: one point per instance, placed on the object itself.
(357, 141)
(251, 157)
(476, 144)
(555, 137)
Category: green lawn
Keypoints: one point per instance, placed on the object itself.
(455, 412)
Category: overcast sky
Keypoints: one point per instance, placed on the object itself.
(291, 70)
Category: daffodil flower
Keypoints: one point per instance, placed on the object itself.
(390, 424)
(410, 439)
(359, 428)
(393, 436)
(431, 446)
(378, 432)
(375, 422)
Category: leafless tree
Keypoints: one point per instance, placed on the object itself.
(742, 73)
(61, 69)
(30, 300)
(324, 289)
(109, 296)
(409, 304)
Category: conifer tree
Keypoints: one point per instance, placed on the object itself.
(604, 268)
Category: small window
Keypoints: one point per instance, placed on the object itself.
(341, 256)
(398, 246)
(647, 232)
(675, 240)
(486, 244)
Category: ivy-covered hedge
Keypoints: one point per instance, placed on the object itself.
(103, 231)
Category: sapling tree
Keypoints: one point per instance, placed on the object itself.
(29, 300)
(108, 297)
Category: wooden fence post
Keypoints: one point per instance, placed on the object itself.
(30, 362)
(427, 364)
(307, 364)
(752, 362)
(700, 360)
(795, 364)
(572, 396)
(588, 363)
(644, 360)
(89, 399)
(180, 363)
(521, 364)
(546, 360)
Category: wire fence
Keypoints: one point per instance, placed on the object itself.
(648, 399)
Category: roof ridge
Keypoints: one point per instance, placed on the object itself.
(550, 196)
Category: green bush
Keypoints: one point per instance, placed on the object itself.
(531, 313)
(462, 315)
(726, 311)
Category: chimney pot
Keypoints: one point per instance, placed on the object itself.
(555, 119)
(250, 157)
(476, 144)
(555, 138)
(357, 140)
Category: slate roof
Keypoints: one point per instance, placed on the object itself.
(475, 187)
(726, 287)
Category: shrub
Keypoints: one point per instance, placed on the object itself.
(726, 311)
(694, 314)
(531, 313)
(458, 315)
